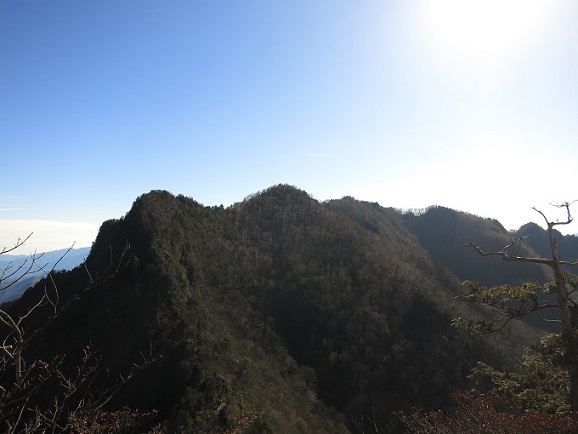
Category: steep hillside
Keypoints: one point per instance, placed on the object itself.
(353, 305)
(278, 314)
(537, 239)
(443, 232)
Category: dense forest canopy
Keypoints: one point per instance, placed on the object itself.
(280, 313)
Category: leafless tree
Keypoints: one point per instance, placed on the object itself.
(22, 378)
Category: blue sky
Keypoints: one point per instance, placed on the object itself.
(466, 104)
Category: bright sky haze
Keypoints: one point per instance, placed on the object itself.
(471, 105)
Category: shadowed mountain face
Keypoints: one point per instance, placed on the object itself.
(537, 239)
(443, 233)
(293, 314)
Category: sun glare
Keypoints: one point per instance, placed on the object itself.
(485, 30)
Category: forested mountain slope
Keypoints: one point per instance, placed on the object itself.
(444, 232)
(277, 314)
(537, 238)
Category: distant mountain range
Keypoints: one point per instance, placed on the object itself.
(56, 260)
(282, 314)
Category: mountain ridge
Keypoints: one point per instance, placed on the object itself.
(277, 295)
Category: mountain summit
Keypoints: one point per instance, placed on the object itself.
(277, 314)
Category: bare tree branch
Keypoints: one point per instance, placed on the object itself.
(504, 299)
(19, 243)
(90, 387)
